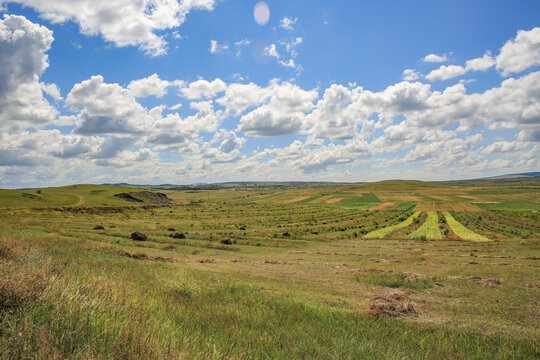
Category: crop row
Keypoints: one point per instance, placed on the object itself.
(429, 230)
(462, 231)
(381, 233)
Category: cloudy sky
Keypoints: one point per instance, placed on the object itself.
(185, 91)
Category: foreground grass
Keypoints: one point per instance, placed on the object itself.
(462, 231)
(91, 302)
(381, 233)
(429, 230)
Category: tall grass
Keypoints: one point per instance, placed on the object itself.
(99, 305)
(429, 230)
(462, 231)
(381, 233)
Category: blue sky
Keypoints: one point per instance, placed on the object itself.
(182, 91)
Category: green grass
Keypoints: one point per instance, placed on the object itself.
(510, 205)
(74, 195)
(381, 233)
(69, 292)
(360, 202)
(99, 305)
(429, 230)
(462, 231)
(394, 280)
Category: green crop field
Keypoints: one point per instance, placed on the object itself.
(380, 233)
(278, 271)
(461, 230)
(429, 230)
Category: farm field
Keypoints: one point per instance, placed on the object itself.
(393, 270)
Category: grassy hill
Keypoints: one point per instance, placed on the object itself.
(73, 195)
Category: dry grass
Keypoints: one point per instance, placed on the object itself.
(22, 281)
(393, 303)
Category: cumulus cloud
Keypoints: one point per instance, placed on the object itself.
(446, 72)
(204, 89)
(283, 114)
(288, 23)
(271, 50)
(52, 90)
(216, 47)
(480, 64)
(520, 53)
(502, 147)
(239, 97)
(23, 58)
(151, 86)
(122, 22)
(107, 109)
(433, 58)
(410, 75)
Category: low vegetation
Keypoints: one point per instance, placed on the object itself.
(381, 233)
(462, 231)
(241, 273)
(429, 230)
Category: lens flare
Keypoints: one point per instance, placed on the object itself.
(261, 13)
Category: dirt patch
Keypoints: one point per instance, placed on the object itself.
(333, 200)
(447, 206)
(144, 256)
(382, 206)
(145, 196)
(293, 200)
(138, 236)
(393, 303)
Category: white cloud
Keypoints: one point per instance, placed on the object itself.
(433, 58)
(334, 117)
(520, 53)
(151, 86)
(240, 44)
(239, 97)
(271, 50)
(290, 46)
(502, 147)
(289, 63)
(23, 58)
(410, 75)
(288, 23)
(122, 22)
(204, 89)
(480, 64)
(215, 47)
(107, 109)
(283, 114)
(52, 90)
(446, 72)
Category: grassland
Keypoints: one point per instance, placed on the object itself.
(429, 230)
(298, 281)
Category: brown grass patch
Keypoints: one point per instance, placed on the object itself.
(382, 206)
(300, 198)
(447, 206)
(333, 200)
(22, 281)
(393, 303)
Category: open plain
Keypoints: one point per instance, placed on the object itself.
(272, 271)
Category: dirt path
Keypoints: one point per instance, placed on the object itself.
(78, 203)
